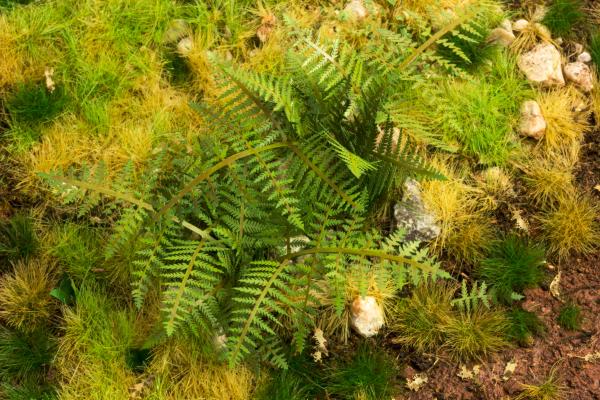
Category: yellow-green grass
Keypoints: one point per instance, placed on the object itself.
(462, 211)
(572, 226)
(25, 301)
(567, 118)
(550, 389)
(549, 179)
(92, 350)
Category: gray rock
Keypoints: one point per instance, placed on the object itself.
(356, 9)
(412, 215)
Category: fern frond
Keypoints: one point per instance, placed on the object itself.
(469, 300)
(189, 274)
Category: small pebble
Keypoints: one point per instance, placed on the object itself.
(584, 57)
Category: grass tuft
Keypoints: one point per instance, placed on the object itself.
(563, 16)
(513, 265)
(571, 227)
(524, 325)
(419, 321)
(300, 381)
(594, 44)
(549, 180)
(32, 103)
(550, 389)
(567, 120)
(78, 250)
(569, 317)
(479, 114)
(461, 212)
(24, 356)
(25, 301)
(476, 334)
(368, 376)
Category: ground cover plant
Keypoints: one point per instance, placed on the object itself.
(362, 199)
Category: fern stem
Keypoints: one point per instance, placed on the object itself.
(121, 196)
(357, 252)
(208, 172)
(102, 189)
(170, 324)
(265, 290)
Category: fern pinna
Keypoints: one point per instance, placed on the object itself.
(241, 234)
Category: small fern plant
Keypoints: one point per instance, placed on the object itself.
(471, 299)
(237, 233)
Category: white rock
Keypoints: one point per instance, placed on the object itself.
(532, 123)
(185, 46)
(578, 48)
(501, 37)
(520, 25)
(356, 9)
(580, 74)
(584, 57)
(542, 65)
(366, 316)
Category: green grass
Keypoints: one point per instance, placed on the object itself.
(78, 250)
(524, 325)
(479, 114)
(18, 239)
(32, 103)
(27, 391)
(563, 16)
(569, 317)
(300, 381)
(594, 44)
(514, 264)
(369, 375)
(24, 356)
(91, 361)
